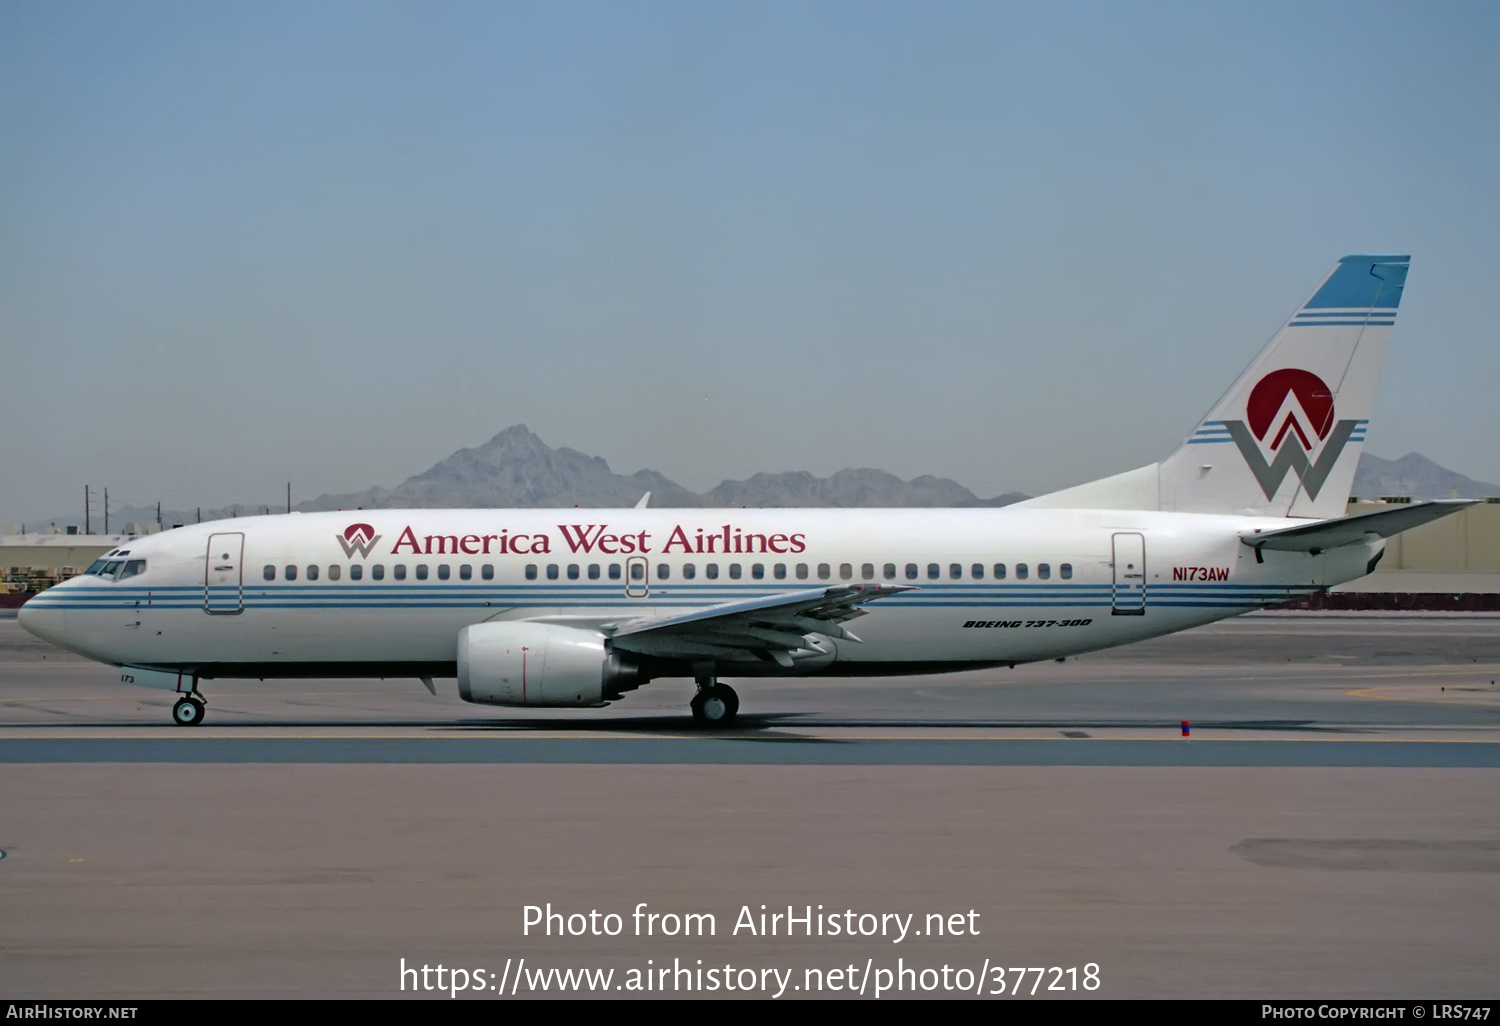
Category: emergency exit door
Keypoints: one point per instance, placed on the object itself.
(637, 579)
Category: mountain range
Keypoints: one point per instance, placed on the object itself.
(516, 469)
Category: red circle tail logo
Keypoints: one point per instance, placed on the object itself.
(1313, 397)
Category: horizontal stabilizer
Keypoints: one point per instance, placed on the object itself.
(1329, 534)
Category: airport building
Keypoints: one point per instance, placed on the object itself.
(1453, 563)
(32, 562)
(1450, 563)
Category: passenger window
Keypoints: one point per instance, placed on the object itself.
(801, 571)
(977, 571)
(399, 571)
(269, 573)
(867, 571)
(290, 573)
(487, 571)
(911, 571)
(956, 571)
(312, 572)
(824, 571)
(132, 568)
(934, 571)
(779, 571)
(421, 571)
(1065, 571)
(335, 572)
(734, 571)
(356, 572)
(846, 571)
(689, 571)
(711, 571)
(637, 572)
(444, 573)
(593, 571)
(572, 571)
(890, 571)
(378, 572)
(614, 571)
(552, 572)
(1044, 571)
(999, 571)
(758, 571)
(531, 571)
(466, 572)
(663, 572)
(1021, 572)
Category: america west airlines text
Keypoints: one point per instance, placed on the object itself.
(590, 538)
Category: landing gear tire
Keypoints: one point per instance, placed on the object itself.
(715, 706)
(188, 712)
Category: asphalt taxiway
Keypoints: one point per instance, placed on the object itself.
(1328, 828)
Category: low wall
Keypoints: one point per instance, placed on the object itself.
(1414, 601)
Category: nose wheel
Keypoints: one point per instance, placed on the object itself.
(188, 712)
(715, 704)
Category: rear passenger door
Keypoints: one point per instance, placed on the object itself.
(1129, 550)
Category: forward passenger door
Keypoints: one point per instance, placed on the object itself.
(223, 577)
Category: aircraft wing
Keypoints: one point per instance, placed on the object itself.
(769, 626)
(1328, 534)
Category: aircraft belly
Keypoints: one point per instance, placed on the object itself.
(914, 632)
(985, 634)
(977, 633)
(191, 636)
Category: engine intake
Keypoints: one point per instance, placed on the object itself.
(540, 664)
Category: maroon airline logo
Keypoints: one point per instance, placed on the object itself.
(1308, 424)
(360, 538)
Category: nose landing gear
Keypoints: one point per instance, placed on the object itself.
(189, 710)
(715, 704)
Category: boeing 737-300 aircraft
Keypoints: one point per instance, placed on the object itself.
(577, 607)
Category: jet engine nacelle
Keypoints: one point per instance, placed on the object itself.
(513, 663)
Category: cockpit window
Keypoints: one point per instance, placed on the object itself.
(95, 567)
(132, 568)
(111, 570)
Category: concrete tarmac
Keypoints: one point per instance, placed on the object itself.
(1329, 829)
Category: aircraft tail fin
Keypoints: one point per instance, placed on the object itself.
(1285, 439)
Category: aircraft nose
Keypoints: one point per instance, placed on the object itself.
(42, 621)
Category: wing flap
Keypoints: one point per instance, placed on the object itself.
(767, 627)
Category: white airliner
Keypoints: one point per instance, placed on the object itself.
(577, 607)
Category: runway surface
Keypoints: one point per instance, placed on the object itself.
(1328, 829)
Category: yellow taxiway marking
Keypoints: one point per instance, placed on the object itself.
(1423, 692)
(1166, 737)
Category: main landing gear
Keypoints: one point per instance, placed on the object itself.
(715, 704)
(189, 710)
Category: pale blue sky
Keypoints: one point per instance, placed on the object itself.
(1016, 245)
